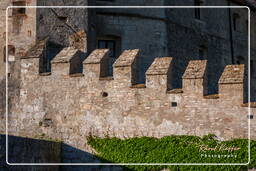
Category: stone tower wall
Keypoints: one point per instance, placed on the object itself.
(21, 31)
(147, 27)
(64, 27)
(177, 33)
(215, 32)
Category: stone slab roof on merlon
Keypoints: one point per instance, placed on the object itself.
(37, 50)
(65, 55)
(195, 69)
(232, 74)
(126, 58)
(96, 56)
(160, 66)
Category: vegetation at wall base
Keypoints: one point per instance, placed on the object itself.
(175, 149)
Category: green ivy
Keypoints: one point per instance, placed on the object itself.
(175, 149)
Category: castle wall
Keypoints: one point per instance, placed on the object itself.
(59, 24)
(65, 27)
(240, 44)
(253, 55)
(68, 105)
(21, 33)
(134, 28)
(71, 107)
(35, 150)
(171, 29)
(188, 34)
(212, 31)
(184, 35)
(25, 150)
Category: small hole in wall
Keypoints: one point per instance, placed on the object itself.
(41, 17)
(29, 33)
(4, 35)
(18, 11)
(174, 104)
(63, 18)
(104, 94)
(250, 116)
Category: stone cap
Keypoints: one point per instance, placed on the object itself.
(175, 91)
(127, 58)
(160, 66)
(251, 104)
(96, 56)
(37, 50)
(232, 74)
(195, 69)
(65, 55)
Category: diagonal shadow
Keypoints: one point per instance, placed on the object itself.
(28, 150)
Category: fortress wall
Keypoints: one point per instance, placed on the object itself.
(72, 106)
(25, 150)
(63, 26)
(69, 104)
(188, 34)
(147, 28)
(184, 46)
(21, 33)
(66, 27)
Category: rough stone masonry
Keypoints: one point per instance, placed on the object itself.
(69, 106)
(76, 98)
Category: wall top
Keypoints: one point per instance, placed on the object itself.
(126, 58)
(195, 69)
(65, 55)
(37, 50)
(160, 66)
(232, 74)
(96, 56)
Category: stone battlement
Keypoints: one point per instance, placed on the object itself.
(95, 67)
(62, 90)
(79, 98)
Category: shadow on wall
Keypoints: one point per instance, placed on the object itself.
(52, 49)
(2, 98)
(13, 91)
(27, 150)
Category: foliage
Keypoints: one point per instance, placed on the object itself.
(175, 149)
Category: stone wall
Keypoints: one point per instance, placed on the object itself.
(26, 150)
(214, 32)
(71, 106)
(157, 32)
(64, 27)
(191, 34)
(134, 28)
(21, 31)
(75, 99)
(177, 33)
(40, 150)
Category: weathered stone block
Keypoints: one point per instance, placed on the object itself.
(158, 76)
(231, 83)
(68, 61)
(126, 67)
(194, 79)
(97, 63)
